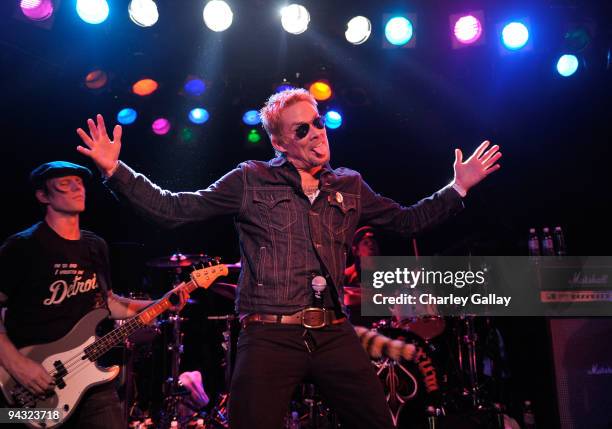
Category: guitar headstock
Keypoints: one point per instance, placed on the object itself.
(209, 272)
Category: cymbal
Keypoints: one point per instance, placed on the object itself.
(234, 268)
(178, 260)
(226, 290)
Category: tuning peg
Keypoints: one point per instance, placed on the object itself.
(217, 260)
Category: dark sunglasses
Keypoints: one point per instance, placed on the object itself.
(302, 130)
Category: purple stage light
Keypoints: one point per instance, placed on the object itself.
(161, 126)
(36, 10)
(467, 29)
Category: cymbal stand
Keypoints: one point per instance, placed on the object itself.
(173, 390)
(226, 363)
(468, 359)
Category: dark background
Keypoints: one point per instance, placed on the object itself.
(405, 110)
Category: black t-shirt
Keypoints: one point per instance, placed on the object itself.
(51, 282)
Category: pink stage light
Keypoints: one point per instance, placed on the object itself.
(161, 126)
(36, 10)
(467, 29)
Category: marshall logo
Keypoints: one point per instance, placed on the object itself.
(60, 289)
(588, 279)
(600, 370)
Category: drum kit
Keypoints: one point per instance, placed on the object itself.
(155, 390)
(448, 376)
(452, 376)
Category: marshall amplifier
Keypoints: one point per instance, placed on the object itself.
(582, 354)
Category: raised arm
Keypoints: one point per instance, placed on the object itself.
(168, 209)
(382, 212)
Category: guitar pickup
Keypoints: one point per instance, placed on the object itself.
(60, 368)
(61, 371)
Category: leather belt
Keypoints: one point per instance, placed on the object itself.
(312, 318)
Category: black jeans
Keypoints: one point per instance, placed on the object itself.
(272, 360)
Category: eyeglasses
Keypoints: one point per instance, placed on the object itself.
(302, 130)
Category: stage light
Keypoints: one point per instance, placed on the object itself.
(218, 16)
(467, 29)
(187, 135)
(251, 117)
(295, 18)
(284, 87)
(92, 11)
(320, 90)
(36, 10)
(143, 12)
(161, 126)
(127, 116)
(358, 30)
(333, 119)
(567, 65)
(254, 136)
(96, 79)
(195, 87)
(399, 30)
(144, 87)
(515, 35)
(198, 115)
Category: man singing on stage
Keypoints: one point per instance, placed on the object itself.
(296, 217)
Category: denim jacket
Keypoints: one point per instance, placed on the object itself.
(276, 221)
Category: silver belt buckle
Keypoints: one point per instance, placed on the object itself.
(313, 318)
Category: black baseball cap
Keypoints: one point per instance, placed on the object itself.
(52, 169)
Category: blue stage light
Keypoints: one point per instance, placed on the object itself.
(127, 116)
(195, 87)
(251, 117)
(399, 30)
(333, 119)
(567, 65)
(515, 35)
(198, 115)
(92, 11)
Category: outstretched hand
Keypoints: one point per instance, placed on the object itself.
(478, 166)
(102, 151)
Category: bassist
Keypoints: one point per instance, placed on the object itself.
(54, 273)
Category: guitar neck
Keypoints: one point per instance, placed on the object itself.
(199, 278)
(151, 312)
(105, 343)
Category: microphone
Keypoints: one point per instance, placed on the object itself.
(318, 286)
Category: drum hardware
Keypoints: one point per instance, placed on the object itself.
(177, 260)
(226, 344)
(433, 417)
(468, 359)
(217, 418)
(173, 390)
(308, 410)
